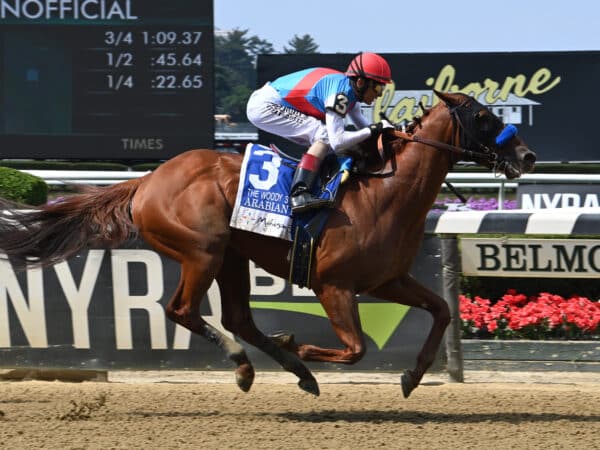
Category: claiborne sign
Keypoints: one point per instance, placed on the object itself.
(539, 258)
(510, 90)
(536, 91)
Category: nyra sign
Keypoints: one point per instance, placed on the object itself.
(542, 196)
(539, 258)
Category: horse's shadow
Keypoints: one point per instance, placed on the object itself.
(378, 416)
(422, 417)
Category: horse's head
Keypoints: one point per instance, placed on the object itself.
(482, 133)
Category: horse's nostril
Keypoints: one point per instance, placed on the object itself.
(530, 158)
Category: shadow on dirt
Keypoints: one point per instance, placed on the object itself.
(374, 416)
(419, 417)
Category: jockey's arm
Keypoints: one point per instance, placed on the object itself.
(357, 117)
(339, 138)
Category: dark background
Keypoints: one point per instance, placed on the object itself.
(563, 127)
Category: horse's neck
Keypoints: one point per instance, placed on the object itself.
(422, 168)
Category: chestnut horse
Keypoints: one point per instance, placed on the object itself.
(371, 238)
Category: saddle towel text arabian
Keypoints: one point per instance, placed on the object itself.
(262, 203)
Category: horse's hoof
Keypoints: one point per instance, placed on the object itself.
(310, 385)
(408, 383)
(283, 339)
(244, 377)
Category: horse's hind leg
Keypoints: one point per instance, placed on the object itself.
(234, 285)
(184, 309)
(408, 291)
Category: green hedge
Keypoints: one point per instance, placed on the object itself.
(143, 167)
(22, 187)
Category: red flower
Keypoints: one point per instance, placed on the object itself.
(538, 317)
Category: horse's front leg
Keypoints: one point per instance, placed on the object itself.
(342, 309)
(407, 291)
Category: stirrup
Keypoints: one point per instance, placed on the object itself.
(305, 201)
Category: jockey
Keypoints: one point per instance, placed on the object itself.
(308, 107)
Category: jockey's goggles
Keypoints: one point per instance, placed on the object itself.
(377, 87)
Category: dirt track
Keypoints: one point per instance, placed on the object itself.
(354, 411)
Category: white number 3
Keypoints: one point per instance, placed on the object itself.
(341, 104)
(272, 169)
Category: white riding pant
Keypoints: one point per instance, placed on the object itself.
(265, 110)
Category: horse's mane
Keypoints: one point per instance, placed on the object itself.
(417, 120)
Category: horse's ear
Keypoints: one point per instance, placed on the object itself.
(447, 98)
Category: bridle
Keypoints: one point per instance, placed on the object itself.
(465, 139)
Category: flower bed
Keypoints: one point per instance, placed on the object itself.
(473, 203)
(516, 316)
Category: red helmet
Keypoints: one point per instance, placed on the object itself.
(370, 65)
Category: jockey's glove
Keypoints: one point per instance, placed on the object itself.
(377, 128)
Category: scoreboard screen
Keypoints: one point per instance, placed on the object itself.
(105, 79)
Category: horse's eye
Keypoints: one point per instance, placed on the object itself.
(484, 121)
(487, 124)
(482, 117)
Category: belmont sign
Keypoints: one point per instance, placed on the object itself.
(539, 258)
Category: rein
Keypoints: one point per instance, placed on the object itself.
(464, 153)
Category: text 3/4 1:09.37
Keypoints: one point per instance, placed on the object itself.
(125, 38)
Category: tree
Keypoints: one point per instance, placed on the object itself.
(304, 44)
(257, 46)
(231, 53)
(235, 102)
(235, 70)
(235, 67)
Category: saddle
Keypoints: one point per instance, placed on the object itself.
(262, 202)
(307, 226)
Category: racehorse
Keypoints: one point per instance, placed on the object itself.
(371, 237)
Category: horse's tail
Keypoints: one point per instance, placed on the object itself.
(48, 234)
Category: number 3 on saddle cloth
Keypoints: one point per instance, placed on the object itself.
(262, 204)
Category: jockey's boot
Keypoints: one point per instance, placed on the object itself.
(301, 198)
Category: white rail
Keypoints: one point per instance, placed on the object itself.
(62, 177)
(481, 178)
(464, 180)
(484, 178)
